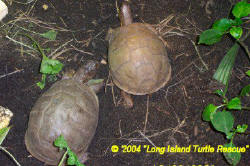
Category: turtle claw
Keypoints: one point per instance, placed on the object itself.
(127, 100)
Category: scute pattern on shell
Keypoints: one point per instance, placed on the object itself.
(138, 59)
(67, 108)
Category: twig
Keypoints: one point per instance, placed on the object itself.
(84, 52)
(26, 29)
(21, 49)
(13, 158)
(147, 138)
(2, 76)
(29, 52)
(63, 158)
(146, 118)
(166, 91)
(107, 82)
(244, 45)
(113, 95)
(193, 25)
(40, 23)
(31, 8)
(61, 52)
(120, 128)
(15, 41)
(198, 53)
(60, 48)
(246, 108)
(98, 34)
(174, 130)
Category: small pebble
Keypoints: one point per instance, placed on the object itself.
(45, 7)
(104, 62)
(195, 131)
(5, 117)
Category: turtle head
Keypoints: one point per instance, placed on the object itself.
(69, 73)
(86, 72)
(125, 15)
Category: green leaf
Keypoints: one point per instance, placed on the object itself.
(42, 83)
(223, 24)
(241, 9)
(237, 22)
(51, 35)
(223, 121)
(79, 164)
(245, 91)
(236, 32)
(210, 36)
(234, 103)
(248, 73)
(219, 92)
(230, 135)
(61, 142)
(72, 158)
(241, 129)
(50, 66)
(231, 157)
(208, 112)
(224, 70)
(3, 133)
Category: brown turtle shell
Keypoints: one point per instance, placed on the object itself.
(138, 59)
(68, 108)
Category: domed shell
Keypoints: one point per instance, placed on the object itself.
(67, 108)
(138, 59)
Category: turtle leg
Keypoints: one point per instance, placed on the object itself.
(127, 100)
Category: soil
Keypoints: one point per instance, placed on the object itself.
(174, 112)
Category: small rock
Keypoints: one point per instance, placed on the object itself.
(3, 10)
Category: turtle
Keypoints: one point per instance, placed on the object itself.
(138, 59)
(70, 108)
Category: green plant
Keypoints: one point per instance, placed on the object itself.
(3, 133)
(223, 121)
(225, 25)
(5, 117)
(72, 157)
(220, 116)
(233, 27)
(48, 66)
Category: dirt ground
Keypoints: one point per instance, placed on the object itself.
(174, 112)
